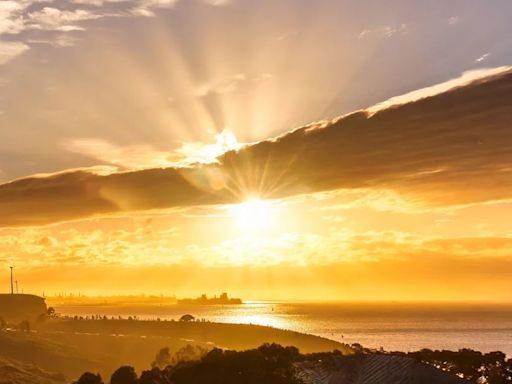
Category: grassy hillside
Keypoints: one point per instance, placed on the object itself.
(70, 347)
(232, 336)
(16, 372)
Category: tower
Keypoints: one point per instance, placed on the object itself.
(12, 285)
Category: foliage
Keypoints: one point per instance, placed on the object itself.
(491, 367)
(274, 364)
(189, 353)
(89, 378)
(187, 318)
(124, 375)
(162, 358)
(270, 363)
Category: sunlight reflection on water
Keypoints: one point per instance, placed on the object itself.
(392, 326)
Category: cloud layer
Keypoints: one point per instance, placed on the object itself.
(448, 149)
(24, 16)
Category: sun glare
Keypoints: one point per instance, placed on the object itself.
(252, 214)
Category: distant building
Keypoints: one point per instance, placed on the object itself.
(223, 299)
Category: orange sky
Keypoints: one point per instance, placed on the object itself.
(168, 147)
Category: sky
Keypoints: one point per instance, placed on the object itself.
(280, 149)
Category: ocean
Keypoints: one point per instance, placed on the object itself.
(391, 326)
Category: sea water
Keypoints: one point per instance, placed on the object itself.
(391, 326)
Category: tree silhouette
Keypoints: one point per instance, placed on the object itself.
(154, 376)
(124, 375)
(187, 318)
(162, 358)
(89, 378)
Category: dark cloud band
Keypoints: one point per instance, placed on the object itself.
(452, 148)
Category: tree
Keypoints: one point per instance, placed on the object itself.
(162, 358)
(189, 353)
(154, 376)
(187, 318)
(124, 375)
(269, 364)
(89, 378)
(51, 312)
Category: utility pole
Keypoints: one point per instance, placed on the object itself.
(12, 286)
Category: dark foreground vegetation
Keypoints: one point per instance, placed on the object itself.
(269, 364)
(274, 364)
(475, 366)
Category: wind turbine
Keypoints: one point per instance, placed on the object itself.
(12, 285)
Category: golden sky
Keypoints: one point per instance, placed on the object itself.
(276, 150)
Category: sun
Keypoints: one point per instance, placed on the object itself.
(252, 214)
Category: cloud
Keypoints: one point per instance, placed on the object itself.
(466, 78)
(59, 41)
(145, 7)
(10, 18)
(10, 49)
(353, 263)
(230, 84)
(18, 17)
(128, 157)
(197, 152)
(483, 57)
(218, 3)
(453, 20)
(222, 86)
(364, 33)
(448, 149)
(21, 16)
(385, 32)
(389, 31)
(54, 19)
(144, 156)
(96, 3)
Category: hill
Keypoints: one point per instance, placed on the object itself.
(71, 347)
(15, 372)
(19, 307)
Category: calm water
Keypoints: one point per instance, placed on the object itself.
(392, 326)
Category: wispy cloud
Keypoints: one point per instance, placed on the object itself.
(146, 7)
(482, 58)
(97, 3)
(11, 20)
(18, 17)
(133, 157)
(385, 32)
(221, 86)
(64, 40)
(11, 49)
(229, 84)
(128, 157)
(453, 20)
(58, 20)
